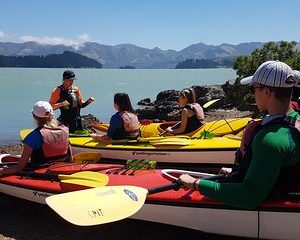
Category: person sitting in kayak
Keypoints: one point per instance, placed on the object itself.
(124, 124)
(192, 115)
(270, 163)
(46, 144)
(69, 100)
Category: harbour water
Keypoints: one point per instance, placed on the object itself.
(22, 87)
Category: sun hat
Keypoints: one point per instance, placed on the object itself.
(68, 74)
(42, 109)
(272, 74)
(297, 78)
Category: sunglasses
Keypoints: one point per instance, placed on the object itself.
(252, 90)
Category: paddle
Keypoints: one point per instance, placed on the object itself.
(83, 178)
(175, 125)
(102, 205)
(211, 102)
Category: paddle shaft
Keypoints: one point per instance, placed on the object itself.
(47, 176)
(162, 188)
(175, 125)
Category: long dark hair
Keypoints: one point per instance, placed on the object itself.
(123, 101)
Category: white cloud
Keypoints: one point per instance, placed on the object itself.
(76, 43)
(3, 36)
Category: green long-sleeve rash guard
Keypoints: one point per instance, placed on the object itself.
(274, 146)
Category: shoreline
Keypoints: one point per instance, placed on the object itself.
(16, 147)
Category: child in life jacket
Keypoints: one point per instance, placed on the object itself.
(124, 124)
(46, 144)
(192, 115)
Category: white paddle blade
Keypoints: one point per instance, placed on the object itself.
(98, 205)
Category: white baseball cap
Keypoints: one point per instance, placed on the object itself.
(297, 78)
(272, 74)
(42, 109)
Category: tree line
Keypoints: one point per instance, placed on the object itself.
(206, 63)
(65, 60)
(245, 66)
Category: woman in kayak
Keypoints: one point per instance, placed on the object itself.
(46, 144)
(69, 100)
(124, 124)
(192, 115)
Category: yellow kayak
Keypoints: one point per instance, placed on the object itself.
(218, 128)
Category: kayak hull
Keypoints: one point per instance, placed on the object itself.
(184, 208)
(219, 151)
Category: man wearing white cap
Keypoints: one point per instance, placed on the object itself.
(271, 162)
(47, 143)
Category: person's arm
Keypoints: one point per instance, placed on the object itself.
(55, 98)
(263, 172)
(26, 154)
(81, 99)
(70, 152)
(183, 124)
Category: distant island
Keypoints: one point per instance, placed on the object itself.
(127, 67)
(226, 62)
(65, 60)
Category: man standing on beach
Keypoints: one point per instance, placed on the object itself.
(69, 100)
(271, 162)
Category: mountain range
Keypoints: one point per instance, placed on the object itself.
(132, 55)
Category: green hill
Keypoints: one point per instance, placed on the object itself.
(65, 60)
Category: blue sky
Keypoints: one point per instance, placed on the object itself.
(167, 24)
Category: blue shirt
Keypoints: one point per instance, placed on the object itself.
(34, 139)
(116, 127)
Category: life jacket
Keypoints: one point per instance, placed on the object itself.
(54, 148)
(289, 175)
(131, 123)
(195, 121)
(71, 111)
(198, 111)
(70, 95)
(70, 115)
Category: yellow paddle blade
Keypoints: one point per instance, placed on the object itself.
(209, 103)
(87, 157)
(98, 205)
(85, 178)
(24, 133)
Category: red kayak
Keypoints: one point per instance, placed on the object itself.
(184, 208)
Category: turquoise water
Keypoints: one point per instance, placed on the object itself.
(22, 87)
